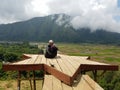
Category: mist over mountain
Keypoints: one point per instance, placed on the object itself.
(57, 27)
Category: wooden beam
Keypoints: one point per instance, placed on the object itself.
(60, 75)
(87, 67)
(22, 67)
(90, 67)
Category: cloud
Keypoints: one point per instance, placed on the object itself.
(16, 10)
(12, 10)
(40, 7)
(19, 10)
(94, 14)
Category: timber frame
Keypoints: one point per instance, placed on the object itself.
(49, 68)
(58, 74)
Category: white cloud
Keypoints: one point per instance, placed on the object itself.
(96, 14)
(18, 10)
(12, 10)
(40, 7)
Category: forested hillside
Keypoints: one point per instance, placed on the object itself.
(53, 27)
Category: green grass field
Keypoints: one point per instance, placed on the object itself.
(102, 53)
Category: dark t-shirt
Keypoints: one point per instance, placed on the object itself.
(51, 51)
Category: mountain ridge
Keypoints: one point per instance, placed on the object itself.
(54, 27)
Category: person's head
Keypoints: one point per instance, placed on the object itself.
(51, 42)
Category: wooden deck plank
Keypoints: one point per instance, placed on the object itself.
(84, 61)
(81, 57)
(92, 83)
(86, 83)
(56, 84)
(43, 60)
(68, 65)
(37, 56)
(38, 60)
(66, 87)
(63, 67)
(77, 60)
(27, 61)
(56, 65)
(49, 61)
(82, 85)
(22, 62)
(32, 60)
(74, 65)
(19, 62)
(47, 83)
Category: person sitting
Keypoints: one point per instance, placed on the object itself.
(51, 50)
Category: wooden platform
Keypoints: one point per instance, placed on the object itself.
(63, 68)
(84, 82)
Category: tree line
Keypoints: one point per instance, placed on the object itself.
(10, 52)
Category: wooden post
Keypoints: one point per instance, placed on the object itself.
(95, 75)
(83, 72)
(30, 80)
(34, 82)
(19, 77)
(30, 84)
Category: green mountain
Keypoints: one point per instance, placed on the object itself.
(54, 27)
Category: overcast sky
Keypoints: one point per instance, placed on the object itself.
(101, 14)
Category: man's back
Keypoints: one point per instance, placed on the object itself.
(51, 51)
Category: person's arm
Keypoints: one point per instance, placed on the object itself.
(48, 50)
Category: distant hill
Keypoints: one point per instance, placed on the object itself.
(54, 27)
